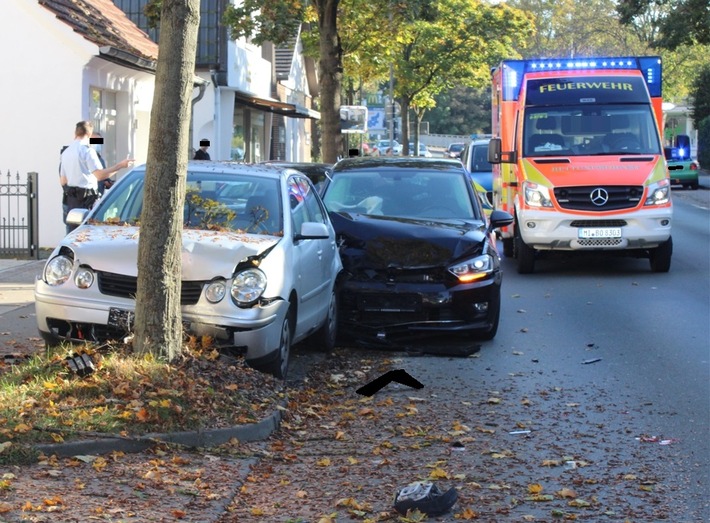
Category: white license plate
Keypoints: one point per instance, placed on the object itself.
(600, 232)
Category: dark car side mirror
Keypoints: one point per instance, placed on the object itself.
(499, 219)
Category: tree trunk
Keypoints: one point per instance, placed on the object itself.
(331, 73)
(158, 315)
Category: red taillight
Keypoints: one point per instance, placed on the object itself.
(693, 166)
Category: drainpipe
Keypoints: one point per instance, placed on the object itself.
(217, 116)
(202, 86)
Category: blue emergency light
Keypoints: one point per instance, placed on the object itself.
(514, 70)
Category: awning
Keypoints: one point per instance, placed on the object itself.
(276, 106)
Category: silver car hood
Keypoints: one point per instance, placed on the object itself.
(205, 254)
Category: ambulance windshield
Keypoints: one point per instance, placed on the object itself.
(620, 129)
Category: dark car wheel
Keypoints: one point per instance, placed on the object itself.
(494, 316)
(326, 336)
(279, 366)
(508, 248)
(660, 257)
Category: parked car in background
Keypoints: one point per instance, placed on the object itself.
(454, 149)
(423, 150)
(475, 159)
(385, 145)
(259, 264)
(682, 170)
(318, 173)
(419, 259)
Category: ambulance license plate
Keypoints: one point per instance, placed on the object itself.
(600, 232)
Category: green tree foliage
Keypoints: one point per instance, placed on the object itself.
(461, 111)
(444, 43)
(571, 28)
(700, 96)
(668, 24)
(704, 142)
(277, 21)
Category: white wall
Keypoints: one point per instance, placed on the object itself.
(46, 91)
(40, 101)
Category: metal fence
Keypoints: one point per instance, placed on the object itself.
(19, 216)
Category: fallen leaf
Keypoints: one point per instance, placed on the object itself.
(566, 493)
(438, 473)
(466, 514)
(540, 497)
(535, 488)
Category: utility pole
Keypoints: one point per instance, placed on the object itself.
(391, 107)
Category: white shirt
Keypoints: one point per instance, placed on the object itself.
(78, 163)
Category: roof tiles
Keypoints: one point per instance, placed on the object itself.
(104, 24)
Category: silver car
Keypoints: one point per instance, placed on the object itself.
(259, 264)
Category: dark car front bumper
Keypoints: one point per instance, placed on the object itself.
(394, 313)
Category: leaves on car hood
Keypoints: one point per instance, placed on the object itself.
(205, 254)
(381, 241)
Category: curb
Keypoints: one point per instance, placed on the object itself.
(193, 439)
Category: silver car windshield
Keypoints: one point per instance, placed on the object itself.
(407, 193)
(213, 201)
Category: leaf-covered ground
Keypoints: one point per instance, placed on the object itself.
(339, 457)
(514, 453)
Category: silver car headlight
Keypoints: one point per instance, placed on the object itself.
(84, 278)
(216, 291)
(473, 269)
(58, 270)
(248, 286)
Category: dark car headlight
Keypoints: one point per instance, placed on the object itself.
(473, 269)
(58, 270)
(248, 286)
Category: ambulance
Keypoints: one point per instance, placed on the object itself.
(578, 160)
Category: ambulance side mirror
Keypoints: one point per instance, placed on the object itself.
(494, 150)
(496, 155)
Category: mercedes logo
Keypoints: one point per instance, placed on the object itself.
(599, 196)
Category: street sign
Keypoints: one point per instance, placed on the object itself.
(353, 119)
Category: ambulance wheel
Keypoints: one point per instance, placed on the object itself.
(524, 254)
(508, 248)
(660, 257)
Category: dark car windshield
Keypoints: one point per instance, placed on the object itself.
(213, 201)
(596, 129)
(413, 193)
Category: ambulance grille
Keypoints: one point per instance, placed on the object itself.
(580, 198)
(599, 242)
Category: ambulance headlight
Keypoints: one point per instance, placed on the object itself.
(659, 193)
(536, 195)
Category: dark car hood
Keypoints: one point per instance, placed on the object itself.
(380, 242)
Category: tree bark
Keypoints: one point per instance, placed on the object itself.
(158, 324)
(331, 76)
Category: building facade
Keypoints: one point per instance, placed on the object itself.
(70, 60)
(258, 105)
